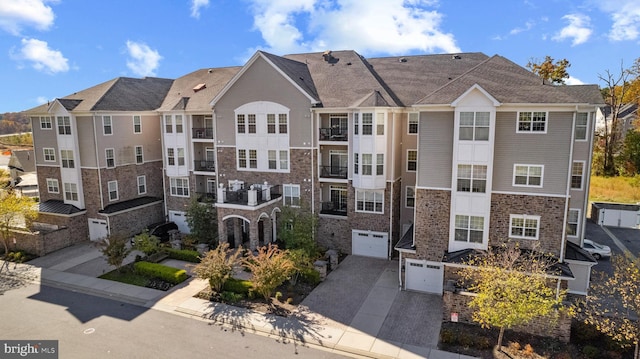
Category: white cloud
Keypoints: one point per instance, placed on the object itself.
(573, 81)
(42, 57)
(625, 16)
(579, 29)
(41, 100)
(196, 5)
(16, 14)
(368, 26)
(143, 61)
(527, 26)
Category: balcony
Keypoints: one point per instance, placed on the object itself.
(337, 172)
(334, 134)
(204, 166)
(202, 132)
(243, 196)
(334, 208)
(206, 197)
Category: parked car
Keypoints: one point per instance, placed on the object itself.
(162, 230)
(597, 250)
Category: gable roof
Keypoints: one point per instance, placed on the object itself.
(129, 94)
(194, 91)
(508, 82)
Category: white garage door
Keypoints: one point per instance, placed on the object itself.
(370, 244)
(180, 219)
(619, 218)
(97, 229)
(424, 276)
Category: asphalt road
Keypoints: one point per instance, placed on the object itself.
(93, 327)
(629, 237)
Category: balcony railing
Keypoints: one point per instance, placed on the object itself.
(206, 197)
(263, 194)
(202, 132)
(333, 134)
(204, 166)
(334, 172)
(334, 208)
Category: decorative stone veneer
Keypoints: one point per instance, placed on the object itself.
(264, 213)
(459, 303)
(45, 172)
(134, 221)
(432, 224)
(550, 209)
(71, 230)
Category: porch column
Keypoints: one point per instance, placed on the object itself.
(237, 231)
(254, 238)
(274, 225)
(222, 232)
(266, 229)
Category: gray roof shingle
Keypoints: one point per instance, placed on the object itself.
(129, 94)
(183, 95)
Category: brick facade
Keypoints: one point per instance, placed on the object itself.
(432, 223)
(45, 172)
(550, 209)
(129, 223)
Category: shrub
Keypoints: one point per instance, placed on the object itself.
(217, 266)
(19, 256)
(114, 248)
(231, 297)
(269, 269)
(238, 286)
(155, 270)
(146, 243)
(184, 255)
(590, 351)
(311, 276)
(278, 296)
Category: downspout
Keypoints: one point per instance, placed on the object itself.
(164, 182)
(568, 188)
(588, 179)
(95, 141)
(400, 271)
(313, 178)
(392, 167)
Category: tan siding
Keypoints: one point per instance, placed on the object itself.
(86, 143)
(435, 152)
(261, 82)
(551, 150)
(44, 139)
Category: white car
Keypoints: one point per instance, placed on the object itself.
(597, 250)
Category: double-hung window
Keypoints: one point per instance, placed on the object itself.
(380, 124)
(527, 175)
(284, 159)
(70, 192)
(137, 124)
(582, 121)
(45, 123)
(251, 119)
(64, 125)
(142, 184)
(356, 123)
(52, 185)
(573, 220)
(577, 170)
(179, 125)
(113, 190)
(66, 157)
(412, 160)
(367, 164)
(413, 123)
(369, 201)
(469, 229)
(356, 163)
(410, 199)
(253, 159)
(524, 226)
(168, 124)
(49, 154)
(379, 164)
(273, 160)
(181, 156)
(107, 126)
(271, 123)
(472, 178)
(111, 158)
(291, 194)
(179, 187)
(533, 122)
(241, 124)
(367, 123)
(171, 157)
(474, 126)
(283, 127)
(139, 155)
(242, 158)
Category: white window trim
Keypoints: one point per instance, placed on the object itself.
(409, 123)
(50, 122)
(73, 189)
(115, 183)
(106, 157)
(406, 196)
(365, 211)
(284, 197)
(134, 124)
(546, 123)
(524, 217)
(104, 125)
(577, 223)
(44, 154)
(586, 131)
(407, 161)
(53, 182)
(528, 168)
(68, 160)
(135, 154)
(144, 180)
(584, 166)
(173, 185)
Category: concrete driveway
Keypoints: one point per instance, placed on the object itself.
(362, 295)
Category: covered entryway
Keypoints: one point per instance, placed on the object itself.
(424, 276)
(98, 229)
(180, 219)
(370, 244)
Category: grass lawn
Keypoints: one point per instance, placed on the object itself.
(615, 189)
(126, 275)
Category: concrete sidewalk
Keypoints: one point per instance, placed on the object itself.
(362, 337)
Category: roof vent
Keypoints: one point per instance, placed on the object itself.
(456, 57)
(199, 87)
(402, 59)
(327, 55)
(210, 71)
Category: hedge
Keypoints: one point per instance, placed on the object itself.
(237, 286)
(184, 255)
(155, 270)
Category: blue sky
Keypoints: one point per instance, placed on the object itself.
(52, 48)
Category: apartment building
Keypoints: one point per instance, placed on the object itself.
(98, 158)
(420, 157)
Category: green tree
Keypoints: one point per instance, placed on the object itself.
(555, 73)
(203, 221)
(115, 250)
(217, 265)
(297, 230)
(630, 155)
(15, 211)
(613, 303)
(512, 288)
(270, 267)
(146, 243)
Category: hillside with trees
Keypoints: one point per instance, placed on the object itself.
(14, 122)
